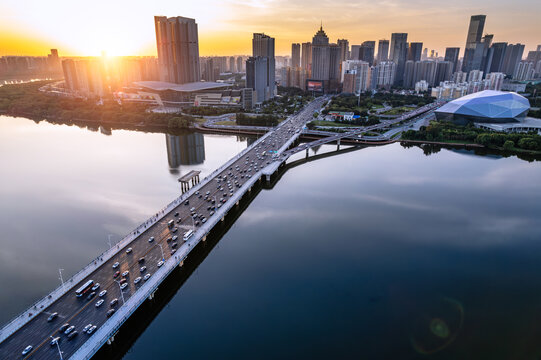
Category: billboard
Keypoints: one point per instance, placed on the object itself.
(314, 85)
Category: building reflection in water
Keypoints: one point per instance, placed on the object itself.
(186, 149)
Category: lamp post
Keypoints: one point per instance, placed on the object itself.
(58, 347)
(60, 277)
(121, 291)
(161, 248)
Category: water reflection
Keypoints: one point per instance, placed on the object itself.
(185, 149)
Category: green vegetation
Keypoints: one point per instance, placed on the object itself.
(262, 120)
(226, 122)
(26, 100)
(288, 101)
(330, 123)
(360, 105)
(449, 132)
(535, 98)
(210, 111)
(398, 111)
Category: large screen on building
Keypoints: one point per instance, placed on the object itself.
(313, 85)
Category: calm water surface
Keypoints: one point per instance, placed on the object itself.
(381, 253)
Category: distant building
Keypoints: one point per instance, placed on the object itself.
(496, 56)
(357, 74)
(414, 51)
(263, 46)
(178, 49)
(525, 70)
(85, 77)
(320, 56)
(257, 78)
(475, 75)
(344, 49)
(295, 55)
(367, 51)
(473, 41)
(398, 54)
(451, 54)
(384, 74)
(306, 57)
(421, 86)
(513, 55)
(383, 50)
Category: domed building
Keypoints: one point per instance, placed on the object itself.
(487, 106)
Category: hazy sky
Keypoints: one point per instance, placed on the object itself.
(225, 26)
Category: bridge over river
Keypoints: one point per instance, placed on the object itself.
(132, 271)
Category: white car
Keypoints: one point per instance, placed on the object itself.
(129, 250)
(143, 268)
(137, 279)
(96, 287)
(160, 263)
(125, 273)
(98, 304)
(91, 330)
(68, 330)
(27, 350)
(115, 265)
(103, 293)
(86, 328)
(147, 276)
(123, 286)
(151, 239)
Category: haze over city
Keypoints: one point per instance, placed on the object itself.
(225, 27)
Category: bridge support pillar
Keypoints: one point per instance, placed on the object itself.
(204, 238)
(268, 178)
(237, 203)
(223, 219)
(181, 264)
(111, 340)
(307, 153)
(338, 146)
(151, 296)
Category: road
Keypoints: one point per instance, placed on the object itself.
(80, 311)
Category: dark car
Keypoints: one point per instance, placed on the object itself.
(116, 274)
(91, 295)
(110, 312)
(114, 302)
(141, 260)
(72, 334)
(176, 214)
(64, 327)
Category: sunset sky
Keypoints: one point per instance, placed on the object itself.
(32, 27)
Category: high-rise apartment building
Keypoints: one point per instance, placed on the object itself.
(306, 57)
(384, 74)
(473, 40)
(398, 54)
(263, 46)
(178, 49)
(257, 77)
(496, 55)
(295, 55)
(383, 50)
(513, 55)
(344, 49)
(451, 54)
(356, 76)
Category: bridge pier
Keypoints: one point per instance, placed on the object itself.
(223, 219)
(181, 264)
(338, 146)
(151, 296)
(204, 238)
(111, 339)
(307, 153)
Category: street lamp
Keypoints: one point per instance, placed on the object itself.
(121, 292)
(163, 256)
(60, 277)
(58, 347)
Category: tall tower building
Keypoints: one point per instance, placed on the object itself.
(178, 49)
(451, 54)
(473, 40)
(320, 56)
(398, 54)
(295, 55)
(263, 46)
(513, 55)
(306, 57)
(383, 50)
(414, 51)
(257, 77)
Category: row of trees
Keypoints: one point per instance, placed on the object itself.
(210, 111)
(262, 120)
(445, 131)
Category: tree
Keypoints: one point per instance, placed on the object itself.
(508, 145)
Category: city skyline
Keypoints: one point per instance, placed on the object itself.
(226, 27)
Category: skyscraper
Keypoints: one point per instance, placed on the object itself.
(414, 51)
(383, 50)
(366, 52)
(398, 54)
(263, 46)
(178, 49)
(295, 55)
(257, 77)
(306, 57)
(344, 49)
(451, 54)
(496, 55)
(320, 56)
(475, 32)
(513, 54)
